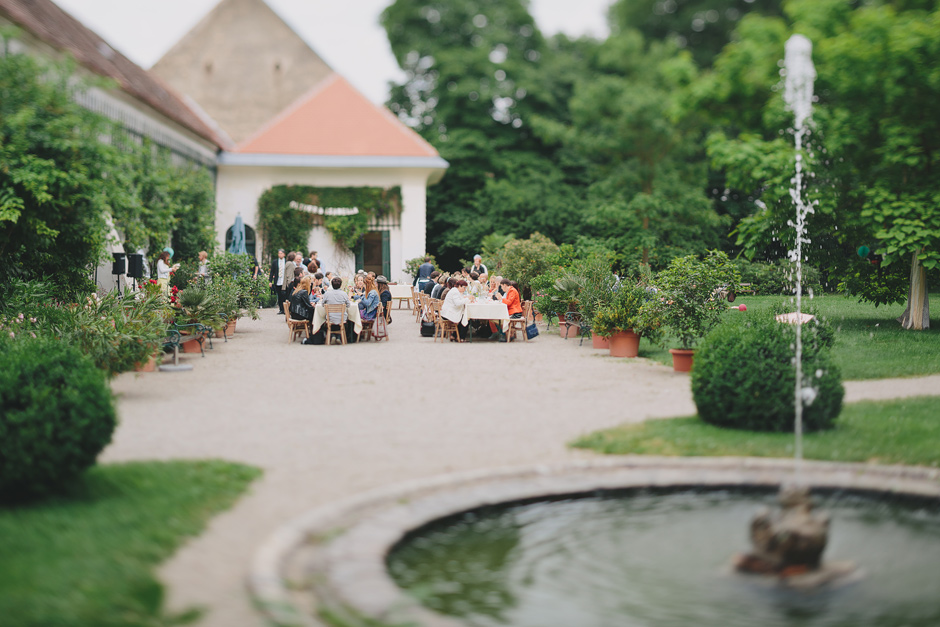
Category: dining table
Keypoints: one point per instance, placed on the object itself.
(319, 317)
(490, 310)
(401, 292)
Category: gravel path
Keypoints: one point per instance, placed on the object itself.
(327, 422)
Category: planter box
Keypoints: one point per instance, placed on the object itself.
(599, 341)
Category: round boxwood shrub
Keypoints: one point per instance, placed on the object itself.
(744, 376)
(56, 415)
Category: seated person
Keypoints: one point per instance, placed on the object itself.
(336, 296)
(431, 282)
(454, 305)
(511, 298)
(359, 289)
(316, 288)
(475, 288)
(369, 305)
(385, 294)
(441, 284)
(300, 307)
(451, 283)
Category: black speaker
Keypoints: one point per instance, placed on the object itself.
(135, 266)
(118, 266)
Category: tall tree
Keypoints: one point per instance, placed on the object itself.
(873, 152)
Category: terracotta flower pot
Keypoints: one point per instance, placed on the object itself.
(624, 344)
(599, 341)
(149, 366)
(191, 346)
(229, 330)
(682, 359)
(568, 329)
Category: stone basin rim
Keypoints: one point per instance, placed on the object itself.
(349, 539)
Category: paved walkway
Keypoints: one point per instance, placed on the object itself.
(327, 422)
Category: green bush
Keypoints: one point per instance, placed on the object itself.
(770, 279)
(744, 376)
(56, 415)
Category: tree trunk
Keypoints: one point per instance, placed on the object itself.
(917, 314)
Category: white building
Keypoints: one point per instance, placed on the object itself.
(294, 121)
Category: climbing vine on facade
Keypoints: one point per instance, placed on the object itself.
(285, 226)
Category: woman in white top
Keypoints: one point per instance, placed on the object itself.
(163, 271)
(454, 305)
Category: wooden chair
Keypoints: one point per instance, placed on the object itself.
(366, 334)
(519, 324)
(330, 331)
(420, 306)
(388, 312)
(295, 328)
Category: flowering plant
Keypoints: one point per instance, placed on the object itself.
(688, 295)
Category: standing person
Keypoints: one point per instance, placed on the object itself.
(203, 270)
(478, 266)
(289, 267)
(424, 273)
(163, 270)
(276, 277)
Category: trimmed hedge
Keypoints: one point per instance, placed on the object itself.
(744, 377)
(56, 415)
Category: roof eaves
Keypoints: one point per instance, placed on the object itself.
(330, 161)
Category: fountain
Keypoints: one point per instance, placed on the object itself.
(789, 544)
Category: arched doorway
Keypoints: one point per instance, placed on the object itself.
(249, 239)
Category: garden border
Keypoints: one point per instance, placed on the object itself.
(336, 553)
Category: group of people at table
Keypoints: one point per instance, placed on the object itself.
(469, 286)
(309, 288)
(304, 287)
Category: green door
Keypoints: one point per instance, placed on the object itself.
(372, 254)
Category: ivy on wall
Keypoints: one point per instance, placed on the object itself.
(284, 227)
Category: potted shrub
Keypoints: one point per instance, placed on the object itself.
(597, 289)
(689, 300)
(567, 290)
(193, 306)
(619, 320)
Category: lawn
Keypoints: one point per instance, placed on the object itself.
(86, 558)
(870, 343)
(905, 431)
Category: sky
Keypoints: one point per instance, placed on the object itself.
(345, 33)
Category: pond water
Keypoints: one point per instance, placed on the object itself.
(648, 559)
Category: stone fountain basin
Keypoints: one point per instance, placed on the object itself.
(334, 558)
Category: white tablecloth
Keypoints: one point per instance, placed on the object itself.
(400, 293)
(487, 311)
(352, 310)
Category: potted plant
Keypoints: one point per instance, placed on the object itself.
(619, 319)
(223, 292)
(689, 300)
(597, 289)
(566, 291)
(194, 307)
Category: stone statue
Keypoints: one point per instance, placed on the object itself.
(789, 543)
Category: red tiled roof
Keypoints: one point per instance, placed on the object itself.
(45, 20)
(335, 119)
